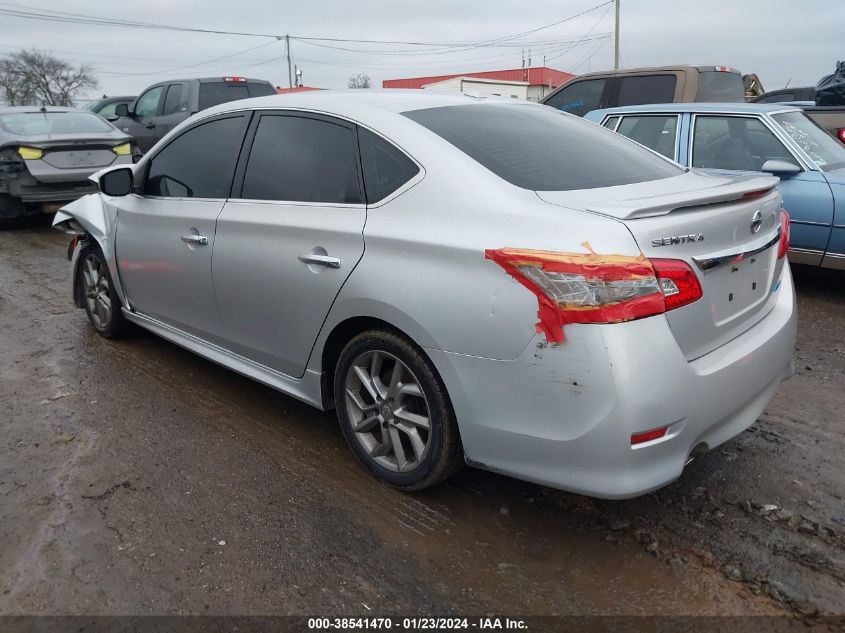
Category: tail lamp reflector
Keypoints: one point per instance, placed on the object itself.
(592, 288)
(840, 134)
(647, 436)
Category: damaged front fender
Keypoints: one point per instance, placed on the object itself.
(94, 220)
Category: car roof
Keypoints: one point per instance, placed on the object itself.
(735, 108)
(343, 101)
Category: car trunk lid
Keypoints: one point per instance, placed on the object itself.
(726, 229)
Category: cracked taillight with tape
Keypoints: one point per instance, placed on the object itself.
(593, 288)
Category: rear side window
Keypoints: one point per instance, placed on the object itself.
(646, 89)
(300, 159)
(543, 150)
(655, 132)
(176, 99)
(216, 92)
(199, 163)
(260, 89)
(578, 97)
(386, 168)
(715, 87)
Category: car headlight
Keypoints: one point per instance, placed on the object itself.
(30, 153)
(122, 150)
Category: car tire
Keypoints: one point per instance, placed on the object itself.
(377, 407)
(98, 296)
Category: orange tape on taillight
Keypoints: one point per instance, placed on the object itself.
(553, 316)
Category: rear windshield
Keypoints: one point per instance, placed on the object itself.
(41, 123)
(542, 149)
(717, 87)
(216, 92)
(819, 145)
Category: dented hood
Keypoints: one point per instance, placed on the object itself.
(659, 197)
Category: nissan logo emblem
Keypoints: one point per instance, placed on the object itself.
(756, 221)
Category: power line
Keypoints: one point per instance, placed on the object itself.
(25, 12)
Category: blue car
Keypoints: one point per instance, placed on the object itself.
(747, 138)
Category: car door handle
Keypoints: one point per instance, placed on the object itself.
(200, 240)
(150, 126)
(320, 260)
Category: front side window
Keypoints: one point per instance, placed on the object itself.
(735, 143)
(818, 144)
(108, 110)
(578, 97)
(199, 163)
(646, 89)
(655, 132)
(543, 150)
(386, 168)
(300, 159)
(147, 105)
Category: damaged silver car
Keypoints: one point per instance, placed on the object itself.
(463, 280)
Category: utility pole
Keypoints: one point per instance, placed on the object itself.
(616, 54)
(287, 54)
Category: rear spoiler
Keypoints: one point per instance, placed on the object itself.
(739, 189)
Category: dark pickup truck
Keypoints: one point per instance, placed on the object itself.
(164, 105)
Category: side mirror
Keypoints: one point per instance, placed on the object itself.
(121, 109)
(782, 168)
(117, 182)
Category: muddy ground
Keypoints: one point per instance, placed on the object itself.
(137, 478)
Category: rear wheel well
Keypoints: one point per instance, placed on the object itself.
(344, 332)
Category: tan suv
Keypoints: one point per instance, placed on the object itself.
(635, 86)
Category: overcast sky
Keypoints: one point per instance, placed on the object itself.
(780, 40)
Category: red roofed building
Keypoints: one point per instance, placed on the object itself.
(539, 81)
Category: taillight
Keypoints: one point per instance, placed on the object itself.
(677, 282)
(592, 288)
(783, 245)
(840, 134)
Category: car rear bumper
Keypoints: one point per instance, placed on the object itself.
(563, 415)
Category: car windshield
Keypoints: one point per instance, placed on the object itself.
(542, 149)
(818, 144)
(50, 123)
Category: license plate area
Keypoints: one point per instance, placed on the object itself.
(737, 286)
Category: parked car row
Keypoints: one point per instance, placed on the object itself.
(48, 154)
(462, 279)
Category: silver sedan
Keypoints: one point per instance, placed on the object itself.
(464, 280)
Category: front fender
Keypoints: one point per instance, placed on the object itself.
(95, 219)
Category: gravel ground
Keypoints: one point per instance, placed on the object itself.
(137, 478)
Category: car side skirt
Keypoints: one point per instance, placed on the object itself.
(308, 389)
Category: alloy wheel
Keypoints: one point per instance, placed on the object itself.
(95, 283)
(388, 411)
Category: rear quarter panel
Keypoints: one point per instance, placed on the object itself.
(424, 269)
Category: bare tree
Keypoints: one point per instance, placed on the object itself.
(361, 80)
(37, 78)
